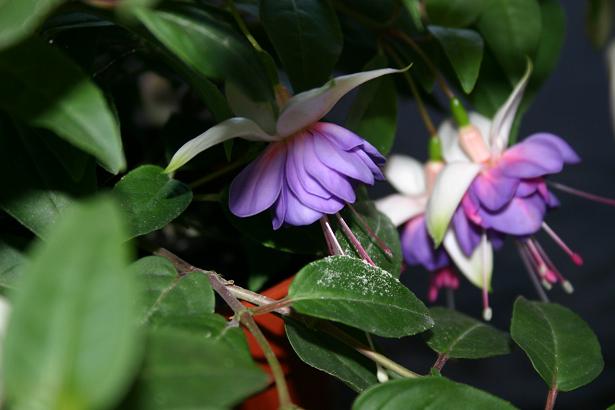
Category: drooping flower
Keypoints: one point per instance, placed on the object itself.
(500, 189)
(309, 168)
(414, 182)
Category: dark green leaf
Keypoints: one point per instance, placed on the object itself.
(382, 226)
(209, 367)
(459, 336)
(307, 37)
(512, 30)
(325, 353)
(19, 19)
(151, 198)
(169, 295)
(72, 340)
(492, 88)
(454, 13)
(599, 21)
(562, 347)
(373, 114)
(464, 49)
(430, 392)
(35, 185)
(44, 88)
(12, 262)
(349, 291)
(209, 45)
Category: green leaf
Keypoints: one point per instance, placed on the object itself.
(453, 13)
(35, 185)
(349, 291)
(208, 44)
(151, 198)
(12, 262)
(464, 49)
(430, 392)
(599, 21)
(325, 353)
(459, 336)
(209, 367)
(168, 294)
(492, 88)
(44, 88)
(373, 114)
(414, 9)
(72, 340)
(512, 30)
(382, 226)
(306, 36)
(562, 347)
(19, 19)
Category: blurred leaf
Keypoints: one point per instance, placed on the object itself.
(349, 291)
(459, 336)
(35, 186)
(325, 353)
(454, 13)
(72, 340)
(209, 45)
(44, 88)
(382, 226)
(151, 198)
(373, 114)
(12, 263)
(464, 49)
(20, 18)
(414, 9)
(562, 347)
(492, 88)
(168, 294)
(430, 392)
(512, 30)
(189, 368)
(599, 21)
(306, 36)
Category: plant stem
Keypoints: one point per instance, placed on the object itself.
(431, 129)
(439, 78)
(243, 315)
(218, 173)
(551, 398)
(440, 362)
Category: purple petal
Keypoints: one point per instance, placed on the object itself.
(467, 234)
(418, 247)
(493, 189)
(296, 153)
(530, 159)
(258, 186)
(298, 214)
(342, 137)
(329, 205)
(280, 211)
(528, 187)
(367, 160)
(341, 161)
(568, 154)
(552, 201)
(522, 216)
(332, 181)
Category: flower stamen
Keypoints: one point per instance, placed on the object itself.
(576, 258)
(487, 312)
(383, 246)
(333, 245)
(353, 240)
(583, 194)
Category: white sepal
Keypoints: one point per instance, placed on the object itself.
(406, 174)
(401, 208)
(474, 266)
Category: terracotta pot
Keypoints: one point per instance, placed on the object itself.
(303, 381)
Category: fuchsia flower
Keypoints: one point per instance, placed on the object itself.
(500, 190)
(310, 167)
(414, 182)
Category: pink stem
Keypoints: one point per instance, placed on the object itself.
(583, 194)
(353, 240)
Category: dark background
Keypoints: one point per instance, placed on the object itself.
(573, 103)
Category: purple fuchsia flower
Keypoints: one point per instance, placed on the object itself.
(501, 191)
(414, 182)
(309, 169)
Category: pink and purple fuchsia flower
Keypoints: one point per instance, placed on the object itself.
(501, 191)
(414, 182)
(309, 169)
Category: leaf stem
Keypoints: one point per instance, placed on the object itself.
(431, 129)
(551, 398)
(440, 362)
(439, 77)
